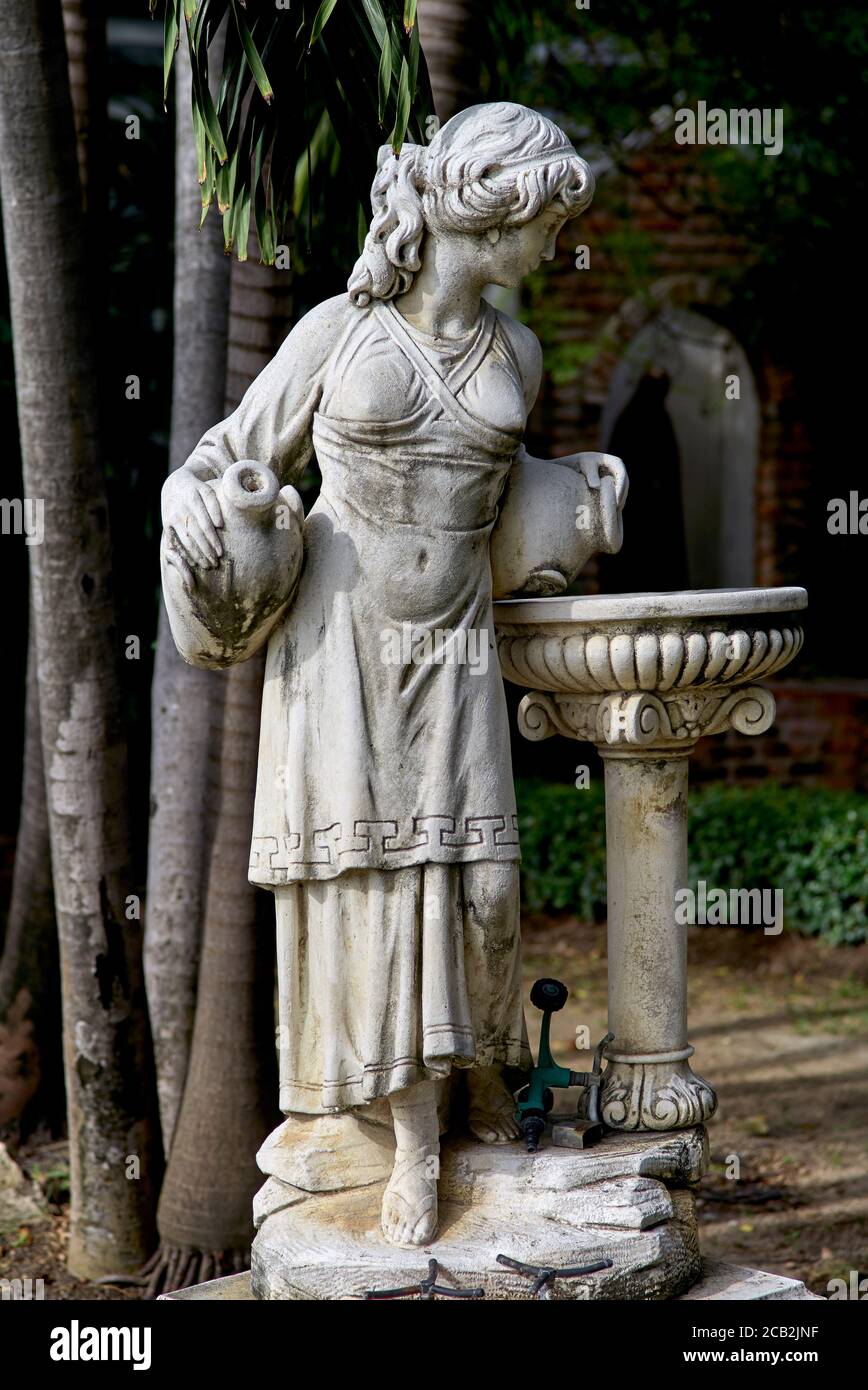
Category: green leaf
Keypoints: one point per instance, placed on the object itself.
(384, 77)
(265, 231)
(251, 53)
(321, 144)
(171, 36)
(236, 224)
(377, 20)
(414, 62)
(402, 109)
(225, 182)
(203, 105)
(212, 125)
(230, 91)
(241, 226)
(320, 21)
(207, 183)
(201, 144)
(409, 15)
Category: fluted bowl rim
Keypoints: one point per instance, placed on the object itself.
(587, 611)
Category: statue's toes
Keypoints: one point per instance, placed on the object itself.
(390, 1224)
(405, 1223)
(493, 1127)
(483, 1130)
(425, 1227)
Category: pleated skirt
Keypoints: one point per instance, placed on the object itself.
(390, 977)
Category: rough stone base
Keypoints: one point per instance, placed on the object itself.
(719, 1281)
(559, 1207)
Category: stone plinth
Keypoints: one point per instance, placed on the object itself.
(627, 1200)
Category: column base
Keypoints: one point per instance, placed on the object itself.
(656, 1096)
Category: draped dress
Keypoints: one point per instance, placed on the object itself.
(385, 818)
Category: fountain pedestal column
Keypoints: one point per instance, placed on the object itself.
(645, 742)
(644, 677)
(649, 1083)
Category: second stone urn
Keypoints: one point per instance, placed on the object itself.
(220, 614)
(551, 522)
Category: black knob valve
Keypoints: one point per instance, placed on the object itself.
(549, 995)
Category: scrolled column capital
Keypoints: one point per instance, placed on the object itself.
(669, 723)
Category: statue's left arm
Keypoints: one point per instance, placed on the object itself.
(232, 546)
(272, 426)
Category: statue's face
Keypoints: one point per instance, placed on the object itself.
(521, 249)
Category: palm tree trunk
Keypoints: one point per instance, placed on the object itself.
(114, 1151)
(84, 27)
(450, 33)
(230, 1096)
(260, 316)
(185, 701)
(31, 1060)
(84, 30)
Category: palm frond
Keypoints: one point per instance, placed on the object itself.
(356, 69)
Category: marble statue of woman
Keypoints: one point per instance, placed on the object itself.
(385, 819)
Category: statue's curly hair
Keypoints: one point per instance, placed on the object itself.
(497, 165)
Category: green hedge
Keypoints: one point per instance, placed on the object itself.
(813, 845)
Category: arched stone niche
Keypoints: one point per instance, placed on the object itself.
(717, 429)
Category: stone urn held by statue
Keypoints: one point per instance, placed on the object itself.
(551, 522)
(220, 614)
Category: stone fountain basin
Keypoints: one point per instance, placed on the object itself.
(643, 677)
(656, 642)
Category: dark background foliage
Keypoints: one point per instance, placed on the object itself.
(811, 846)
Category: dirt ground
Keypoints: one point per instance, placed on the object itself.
(780, 1026)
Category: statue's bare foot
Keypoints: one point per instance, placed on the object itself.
(492, 1109)
(409, 1213)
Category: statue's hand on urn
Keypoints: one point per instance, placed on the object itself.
(192, 521)
(231, 557)
(594, 467)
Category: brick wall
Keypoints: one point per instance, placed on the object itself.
(819, 738)
(784, 482)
